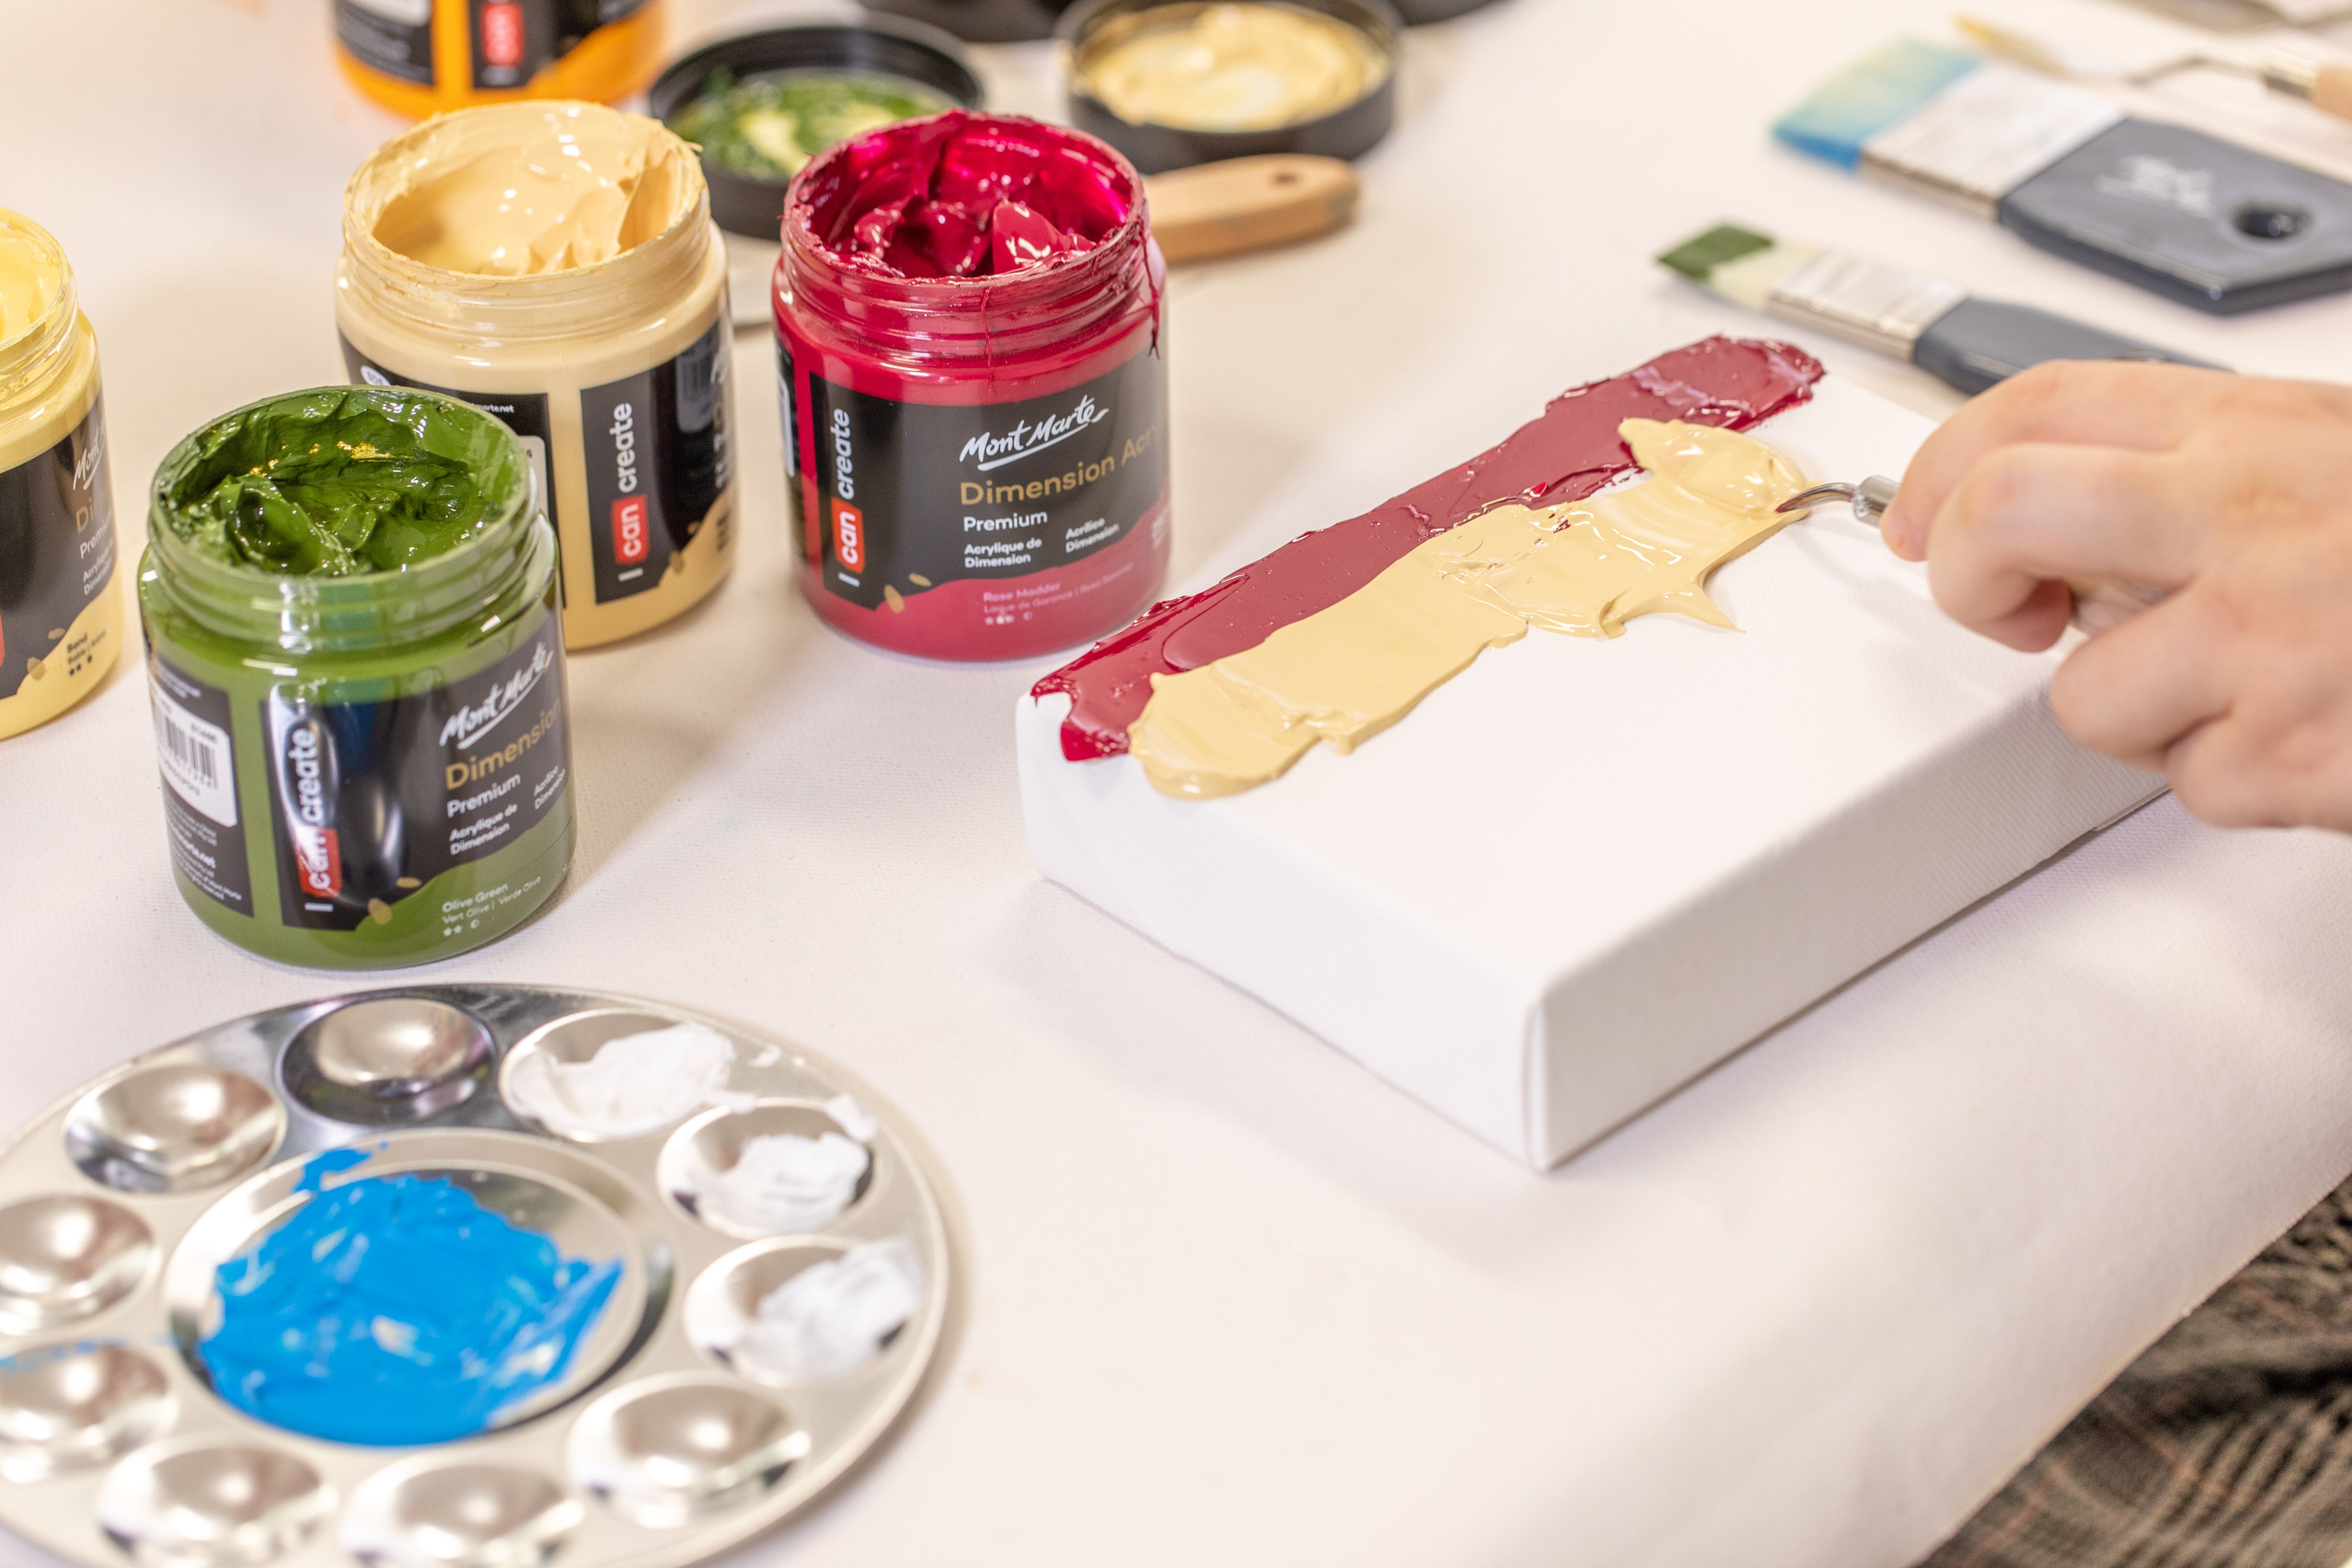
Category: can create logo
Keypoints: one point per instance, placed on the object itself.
(502, 33)
(848, 537)
(319, 861)
(629, 538)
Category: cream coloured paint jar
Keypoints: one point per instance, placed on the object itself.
(60, 600)
(555, 264)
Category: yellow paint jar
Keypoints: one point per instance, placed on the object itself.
(427, 57)
(60, 604)
(555, 264)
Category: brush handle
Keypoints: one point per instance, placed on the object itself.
(1977, 343)
(2327, 88)
(2332, 92)
(1248, 204)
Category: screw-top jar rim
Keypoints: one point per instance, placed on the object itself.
(362, 611)
(36, 352)
(524, 306)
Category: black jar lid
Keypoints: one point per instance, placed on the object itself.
(1155, 148)
(1416, 12)
(1011, 21)
(981, 21)
(749, 205)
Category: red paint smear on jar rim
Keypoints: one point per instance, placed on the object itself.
(1568, 453)
(962, 195)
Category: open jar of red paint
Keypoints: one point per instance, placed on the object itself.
(975, 388)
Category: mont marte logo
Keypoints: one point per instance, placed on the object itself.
(630, 541)
(465, 727)
(848, 537)
(990, 449)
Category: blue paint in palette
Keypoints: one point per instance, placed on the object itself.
(391, 1310)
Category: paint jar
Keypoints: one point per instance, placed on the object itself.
(878, 59)
(555, 264)
(1172, 83)
(426, 57)
(364, 766)
(974, 386)
(60, 602)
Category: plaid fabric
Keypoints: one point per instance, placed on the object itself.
(2228, 1443)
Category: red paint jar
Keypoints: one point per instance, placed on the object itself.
(971, 361)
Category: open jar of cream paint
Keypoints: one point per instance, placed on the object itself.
(555, 264)
(975, 386)
(349, 598)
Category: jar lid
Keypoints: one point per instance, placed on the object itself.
(1090, 31)
(1416, 12)
(748, 203)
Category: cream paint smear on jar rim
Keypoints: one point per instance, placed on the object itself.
(1584, 568)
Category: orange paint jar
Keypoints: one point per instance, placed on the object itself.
(427, 57)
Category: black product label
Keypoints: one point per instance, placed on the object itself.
(658, 463)
(57, 552)
(199, 763)
(784, 402)
(369, 801)
(514, 39)
(394, 37)
(915, 494)
(524, 412)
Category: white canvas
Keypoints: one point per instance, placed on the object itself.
(1584, 872)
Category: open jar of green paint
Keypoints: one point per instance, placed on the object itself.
(356, 663)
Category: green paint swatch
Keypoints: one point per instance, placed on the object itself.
(770, 125)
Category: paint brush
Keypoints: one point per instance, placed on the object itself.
(2171, 209)
(1964, 343)
(2250, 16)
(2326, 88)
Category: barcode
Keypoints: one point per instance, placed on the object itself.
(195, 757)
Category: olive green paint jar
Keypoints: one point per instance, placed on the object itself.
(364, 766)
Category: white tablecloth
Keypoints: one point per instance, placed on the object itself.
(1229, 1299)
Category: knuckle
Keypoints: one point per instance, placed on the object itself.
(2041, 386)
(2076, 700)
(1998, 485)
(2211, 796)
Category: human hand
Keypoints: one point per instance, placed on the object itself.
(2089, 490)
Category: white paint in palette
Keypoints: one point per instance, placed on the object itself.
(782, 1183)
(853, 1118)
(633, 1085)
(831, 1318)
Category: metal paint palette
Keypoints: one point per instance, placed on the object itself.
(658, 1445)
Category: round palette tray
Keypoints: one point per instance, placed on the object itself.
(653, 1449)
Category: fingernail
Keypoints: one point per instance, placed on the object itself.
(1901, 535)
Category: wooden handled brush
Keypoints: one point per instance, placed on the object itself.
(1248, 204)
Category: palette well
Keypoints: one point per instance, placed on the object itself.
(675, 1380)
(1583, 871)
